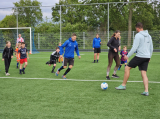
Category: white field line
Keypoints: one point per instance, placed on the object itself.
(75, 80)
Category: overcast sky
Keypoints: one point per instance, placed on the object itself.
(9, 3)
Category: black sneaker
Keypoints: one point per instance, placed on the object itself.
(115, 76)
(17, 67)
(47, 62)
(107, 77)
(53, 72)
(23, 71)
(20, 73)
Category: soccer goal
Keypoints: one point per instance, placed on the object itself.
(12, 36)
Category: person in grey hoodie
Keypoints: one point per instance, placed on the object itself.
(144, 47)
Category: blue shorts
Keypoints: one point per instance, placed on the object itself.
(122, 62)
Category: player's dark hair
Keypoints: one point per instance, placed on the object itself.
(7, 42)
(124, 46)
(117, 31)
(139, 25)
(22, 42)
(74, 34)
(57, 48)
(97, 34)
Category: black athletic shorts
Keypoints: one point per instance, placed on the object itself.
(70, 61)
(142, 63)
(52, 61)
(97, 50)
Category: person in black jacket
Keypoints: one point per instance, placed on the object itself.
(54, 56)
(6, 56)
(114, 46)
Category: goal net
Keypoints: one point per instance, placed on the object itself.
(11, 34)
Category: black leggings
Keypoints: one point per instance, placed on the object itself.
(7, 62)
(111, 56)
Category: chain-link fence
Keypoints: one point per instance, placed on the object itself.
(49, 41)
(85, 39)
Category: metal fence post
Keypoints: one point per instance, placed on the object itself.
(60, 24)
(108, 23)
(83, 40)
(133, 36)
(38, 42)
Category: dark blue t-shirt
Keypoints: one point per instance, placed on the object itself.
(23, 52)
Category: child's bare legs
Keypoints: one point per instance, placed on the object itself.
(20, 66)
(22, 70)
(25, 65)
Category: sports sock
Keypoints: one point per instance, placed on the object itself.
(97, 60)
(53, 68)
(120, 66)
(60, 68)
(20, 70)
(94, 60)
(17, 64)
(107, 73)
(23, 68)
(125, 65)
(67, 71)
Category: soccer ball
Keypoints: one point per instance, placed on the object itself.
(104, 86)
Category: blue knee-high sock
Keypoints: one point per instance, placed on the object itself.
(20, 70)
(60, 68)
(120, 66)
(17, 64)
(23, 68)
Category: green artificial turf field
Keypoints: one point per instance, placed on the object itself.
(39, 94)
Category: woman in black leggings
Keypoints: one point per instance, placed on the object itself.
(114, 46)
(6, 56)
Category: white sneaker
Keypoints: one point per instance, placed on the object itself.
(7, 74)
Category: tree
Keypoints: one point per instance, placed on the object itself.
(8, 22)
(70, 15)
(130, 23)
(31, 16)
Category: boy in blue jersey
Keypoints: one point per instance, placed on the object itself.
(23, 57)
(122, 54)
(96, 47)
(70, 45)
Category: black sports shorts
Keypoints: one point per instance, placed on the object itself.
(52, 61)
(142, 63)
(67, 60)
(97, 50)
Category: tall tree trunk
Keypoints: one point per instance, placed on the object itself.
(130, 24)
